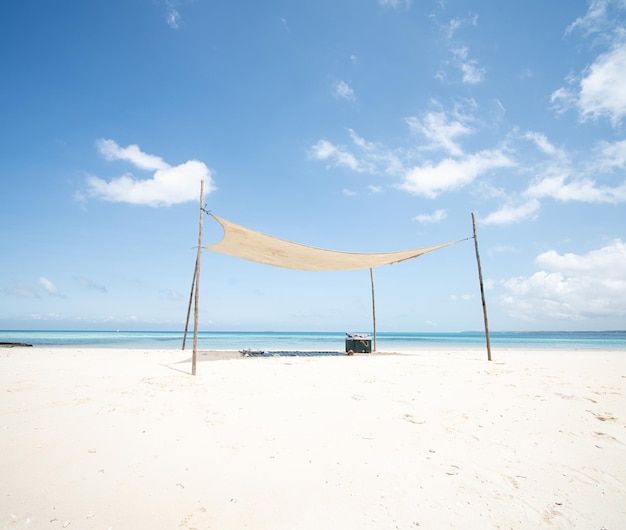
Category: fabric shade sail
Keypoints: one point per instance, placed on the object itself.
(244, 243)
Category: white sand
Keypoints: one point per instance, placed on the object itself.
(127, 439)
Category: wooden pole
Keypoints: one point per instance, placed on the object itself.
(373, 306)
(482, 289)
(193, 283)
(197, 277)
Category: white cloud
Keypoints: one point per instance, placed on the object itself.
(431, 180)
(111, 151)
(612, 155)
(435, 217)
(526, 74)
(441, 75)
(542, 142)
(428, 179)
(343, 90)
(169, 184)
(472, 73)
(17, 288)
(572, 287)
(603, 89)
(172, 295)
(338, 155)
(376, 158)
(372, 158)
(563, 99)
(49, 316)
(172, 14)
(374, 189)
(594, 20)
(440, 130)
(348, 193)
(556, 180)
(91, 285)
(607, 261)
(461, 298)
(511, 213)
(565, 189)
(395, 3)
(49, 287)
(173, 18)
(599, 91)
(453, 25)
(457, 23)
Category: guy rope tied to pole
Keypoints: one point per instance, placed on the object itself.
(482, 289)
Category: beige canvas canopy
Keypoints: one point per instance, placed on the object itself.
(242, 242)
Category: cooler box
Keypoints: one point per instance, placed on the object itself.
(358, 343)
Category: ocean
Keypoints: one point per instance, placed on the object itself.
(317, 341)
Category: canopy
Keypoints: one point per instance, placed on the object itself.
(248, 244)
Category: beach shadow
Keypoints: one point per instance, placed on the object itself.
(204, 356)
(176, 369)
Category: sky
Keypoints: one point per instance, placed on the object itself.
(353, 125)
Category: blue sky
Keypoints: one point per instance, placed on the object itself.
(355, 125)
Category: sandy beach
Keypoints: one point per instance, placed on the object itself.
(127, 439)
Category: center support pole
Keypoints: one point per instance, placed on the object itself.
(197, 282)
(373, 306)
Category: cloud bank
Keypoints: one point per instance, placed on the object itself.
(168, 185)
(571, 287)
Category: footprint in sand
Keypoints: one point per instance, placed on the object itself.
(411, 419)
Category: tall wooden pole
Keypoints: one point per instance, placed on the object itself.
(193, 283)
(373, 306)
(482, 289)
(197, 277)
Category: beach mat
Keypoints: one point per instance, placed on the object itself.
(288, 353)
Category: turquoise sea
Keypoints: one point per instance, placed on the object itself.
(318, 341)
